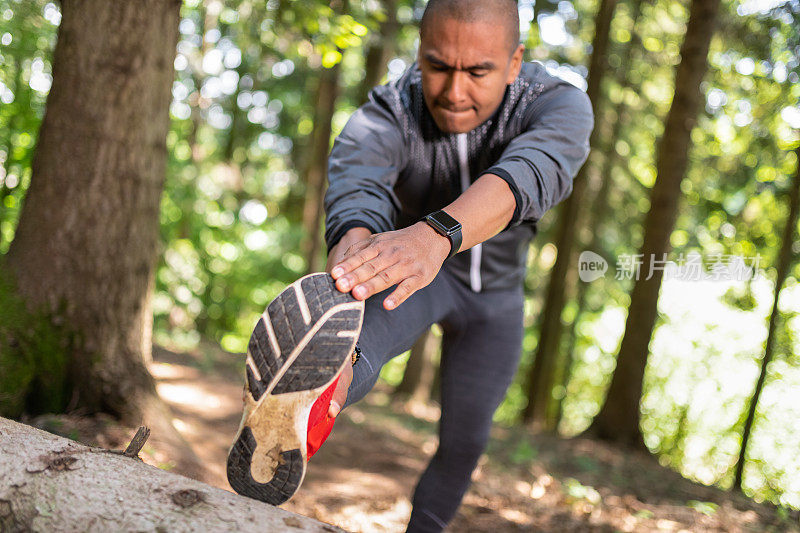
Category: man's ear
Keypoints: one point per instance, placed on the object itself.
(516, 64)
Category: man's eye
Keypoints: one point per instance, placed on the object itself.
(477, 73)
(438, 68)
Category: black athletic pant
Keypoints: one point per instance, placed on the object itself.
(480, 352)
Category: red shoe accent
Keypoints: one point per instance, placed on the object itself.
(320, 423)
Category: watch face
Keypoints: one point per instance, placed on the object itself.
(448, 223)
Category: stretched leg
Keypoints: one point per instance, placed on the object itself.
(480, 354)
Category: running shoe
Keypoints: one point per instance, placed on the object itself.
(296, 352)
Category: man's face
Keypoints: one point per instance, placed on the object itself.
(465, 69)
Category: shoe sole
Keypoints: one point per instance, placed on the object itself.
(298, 347)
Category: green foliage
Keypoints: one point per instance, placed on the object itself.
(738, 299)
(523, 453)
(707, 508)
(242, 114)
(392, 372)
(576, 492)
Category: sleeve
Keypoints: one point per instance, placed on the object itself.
(540, 163)
(363, 167)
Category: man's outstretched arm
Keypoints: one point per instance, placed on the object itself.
(411, 257)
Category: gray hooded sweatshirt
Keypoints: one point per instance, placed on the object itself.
(391, 165)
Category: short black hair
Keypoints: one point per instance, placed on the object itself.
(476, 11)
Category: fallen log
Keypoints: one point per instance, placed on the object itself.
(49, 483)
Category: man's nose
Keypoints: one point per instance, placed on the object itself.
(455, 91)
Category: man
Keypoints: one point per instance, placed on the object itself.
(464, 153)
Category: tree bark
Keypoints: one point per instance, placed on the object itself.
(541, 376)
(618, 419)
(87, 239)
(783, 266)
(54, 484)
(418, 375)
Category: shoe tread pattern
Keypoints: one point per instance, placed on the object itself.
(315, 365)
(322, 357)
(280, 488)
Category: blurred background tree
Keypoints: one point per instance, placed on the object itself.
(261, 88)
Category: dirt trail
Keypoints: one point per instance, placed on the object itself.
(363, 477)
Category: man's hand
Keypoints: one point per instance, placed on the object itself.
(410, 257)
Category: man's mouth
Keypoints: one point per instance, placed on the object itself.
(455, 109)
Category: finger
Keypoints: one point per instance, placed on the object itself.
(382, 271)
(360, 255)
(340, 392)
(380, 280)
(365, 264)
(405, 289)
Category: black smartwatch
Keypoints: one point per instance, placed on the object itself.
(446, 225)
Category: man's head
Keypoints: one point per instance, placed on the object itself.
(469, 52)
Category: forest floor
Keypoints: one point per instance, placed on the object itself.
(363, 477)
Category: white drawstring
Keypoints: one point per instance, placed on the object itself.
(475, 251)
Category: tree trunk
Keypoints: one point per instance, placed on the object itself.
(418, 375)
(783, 265)
(380, 50)
(618, 420)
(540, 378)
(54, 484)
(86, 244)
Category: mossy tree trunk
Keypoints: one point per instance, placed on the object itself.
(84, 252)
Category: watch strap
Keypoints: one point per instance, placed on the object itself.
(453, 235)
